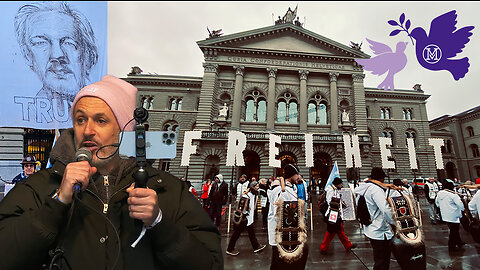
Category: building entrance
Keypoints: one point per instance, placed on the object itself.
(252, 165)
(322, 165)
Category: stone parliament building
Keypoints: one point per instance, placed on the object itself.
(286, 80)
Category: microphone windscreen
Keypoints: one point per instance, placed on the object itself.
(83, 154)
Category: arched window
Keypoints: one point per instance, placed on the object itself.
(322, 114)
(262, 111)
(292, 112)
(282, 112)
(407, 114)
(385, 113)
(287, 109)
(171, 126)
(387, 133)
(312, 113)
(411, 134)
(317, 110)
(147, 103)
(470, 131)
(250, 111)
(179, 104)
(173, 104)
(475, 151)
(256, 107)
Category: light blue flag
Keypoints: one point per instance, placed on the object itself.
(333, 174)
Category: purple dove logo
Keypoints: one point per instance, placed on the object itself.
(444, 41)
(385, 61)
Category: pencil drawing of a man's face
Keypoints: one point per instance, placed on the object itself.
(53, 53)
(58, 44)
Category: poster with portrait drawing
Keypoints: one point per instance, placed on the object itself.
(50, 50)
(348, 204)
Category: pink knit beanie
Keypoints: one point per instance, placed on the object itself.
(119, 95)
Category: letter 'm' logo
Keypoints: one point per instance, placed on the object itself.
(432, 54)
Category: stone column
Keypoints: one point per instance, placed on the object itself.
(205, 116)
(360, 112)
(271, 104)
(333, 102)
(237, 98)
(303, 100)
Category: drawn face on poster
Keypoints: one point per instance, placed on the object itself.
(63, 50)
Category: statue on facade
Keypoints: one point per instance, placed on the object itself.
(345, 117)
(214, 33)
(135, 71)
(279, 21)
(356, 46)
(297, 22)
(290, 15)
(223, 111)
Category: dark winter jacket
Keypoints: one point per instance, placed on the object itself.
(32, 222)
(219, 192)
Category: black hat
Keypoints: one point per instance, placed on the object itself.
(29, 159)
(448, 185)
(377, 173)
(289, 171)
(397, 182)
(337, 181)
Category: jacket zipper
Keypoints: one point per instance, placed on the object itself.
(106, 185)
(105, 205)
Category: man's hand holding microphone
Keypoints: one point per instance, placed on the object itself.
(76, 176)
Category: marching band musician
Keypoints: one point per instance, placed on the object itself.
(431, 189)
(292, 176)
(451, 208)
(246, 222)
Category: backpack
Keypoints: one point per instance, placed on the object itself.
(322, 202)
(363, 216)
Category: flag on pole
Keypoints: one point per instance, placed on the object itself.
(333, 174)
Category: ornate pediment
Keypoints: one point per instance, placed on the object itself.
(282, 38)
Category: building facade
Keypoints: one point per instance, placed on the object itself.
(286, 80)
(461, 135)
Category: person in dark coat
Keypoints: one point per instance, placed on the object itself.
(110, 223)
(218, 197)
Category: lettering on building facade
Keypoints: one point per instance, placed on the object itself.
(289, 63)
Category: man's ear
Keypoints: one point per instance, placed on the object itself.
(27, 55)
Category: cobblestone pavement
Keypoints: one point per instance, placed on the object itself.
(436, 237)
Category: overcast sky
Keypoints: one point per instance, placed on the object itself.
(160, 37)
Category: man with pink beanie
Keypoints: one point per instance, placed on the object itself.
(109, 224)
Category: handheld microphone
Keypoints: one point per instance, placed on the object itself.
(82, 154)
